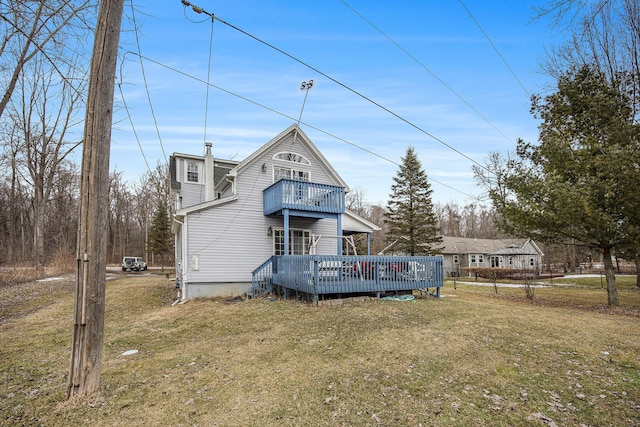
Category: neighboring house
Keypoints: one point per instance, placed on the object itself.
(229, 216)
(461, 252)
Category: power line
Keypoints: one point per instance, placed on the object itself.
(200, 10)
(244, 98)
(124, 103)
(146, 86)
(424, 67)
(495, 48)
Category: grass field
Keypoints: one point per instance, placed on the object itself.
(472, 358)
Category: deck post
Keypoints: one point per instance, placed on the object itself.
(339, 233)
(315, 280)
(286, 231)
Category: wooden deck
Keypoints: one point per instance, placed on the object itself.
(317, 275)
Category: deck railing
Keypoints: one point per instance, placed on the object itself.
(334, 274)
(303, 196)
(261, 279)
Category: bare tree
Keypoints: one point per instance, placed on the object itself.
(44, 113)
(376, 216)
(492, 176)
(355, 201)
(603, 33)
(121, 217)
(154, 185)
(18, 212)
(61, 219)
(45, 29)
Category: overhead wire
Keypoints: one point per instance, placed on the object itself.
(348, 88)
(424, 67)
(146, 86)
(513, 73)
(206, 102)
(273, 110)
(135, 134)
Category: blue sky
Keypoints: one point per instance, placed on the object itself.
(453, 92)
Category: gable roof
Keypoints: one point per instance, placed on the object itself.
(466, 245)
(354, 223)
(301, 138)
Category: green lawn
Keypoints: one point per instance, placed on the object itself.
(470, 358)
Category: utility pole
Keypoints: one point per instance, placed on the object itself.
(86, 351)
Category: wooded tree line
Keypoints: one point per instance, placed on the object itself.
(132, 207)
(44, 63)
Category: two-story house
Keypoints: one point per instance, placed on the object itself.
(229, 217)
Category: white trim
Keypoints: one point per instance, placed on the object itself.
(297, 158)
(301, 139)
(294, 173)
(305, 247)
(195, 208)
(200, 170)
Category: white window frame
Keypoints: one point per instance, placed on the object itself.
(198, 171)
(288, 172)
(278, 241)
(287, 156)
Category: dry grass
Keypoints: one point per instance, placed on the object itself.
(471, 358)
(60, 264)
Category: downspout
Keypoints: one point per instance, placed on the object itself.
(183, 227)
(231, 179)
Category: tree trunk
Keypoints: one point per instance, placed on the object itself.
(612, 292)
(88, 334)
(638, 269)
(38, 224)
(38, 233)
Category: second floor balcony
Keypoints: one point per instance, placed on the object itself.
(303, 198)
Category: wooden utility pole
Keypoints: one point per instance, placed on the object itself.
(86, 351)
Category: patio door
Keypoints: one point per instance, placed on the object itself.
(495, 261)
(299, 241)
(296, 192)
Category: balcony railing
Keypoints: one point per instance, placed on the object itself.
(303, 196)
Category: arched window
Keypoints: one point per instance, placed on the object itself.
(292, 157)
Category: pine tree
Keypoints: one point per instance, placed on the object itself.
(160, 240)
(410, 217)
(579, 183)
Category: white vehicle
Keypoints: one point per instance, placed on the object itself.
(133, 263)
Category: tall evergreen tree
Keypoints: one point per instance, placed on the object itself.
(160, 240)
(410, 216)
(580, 183)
